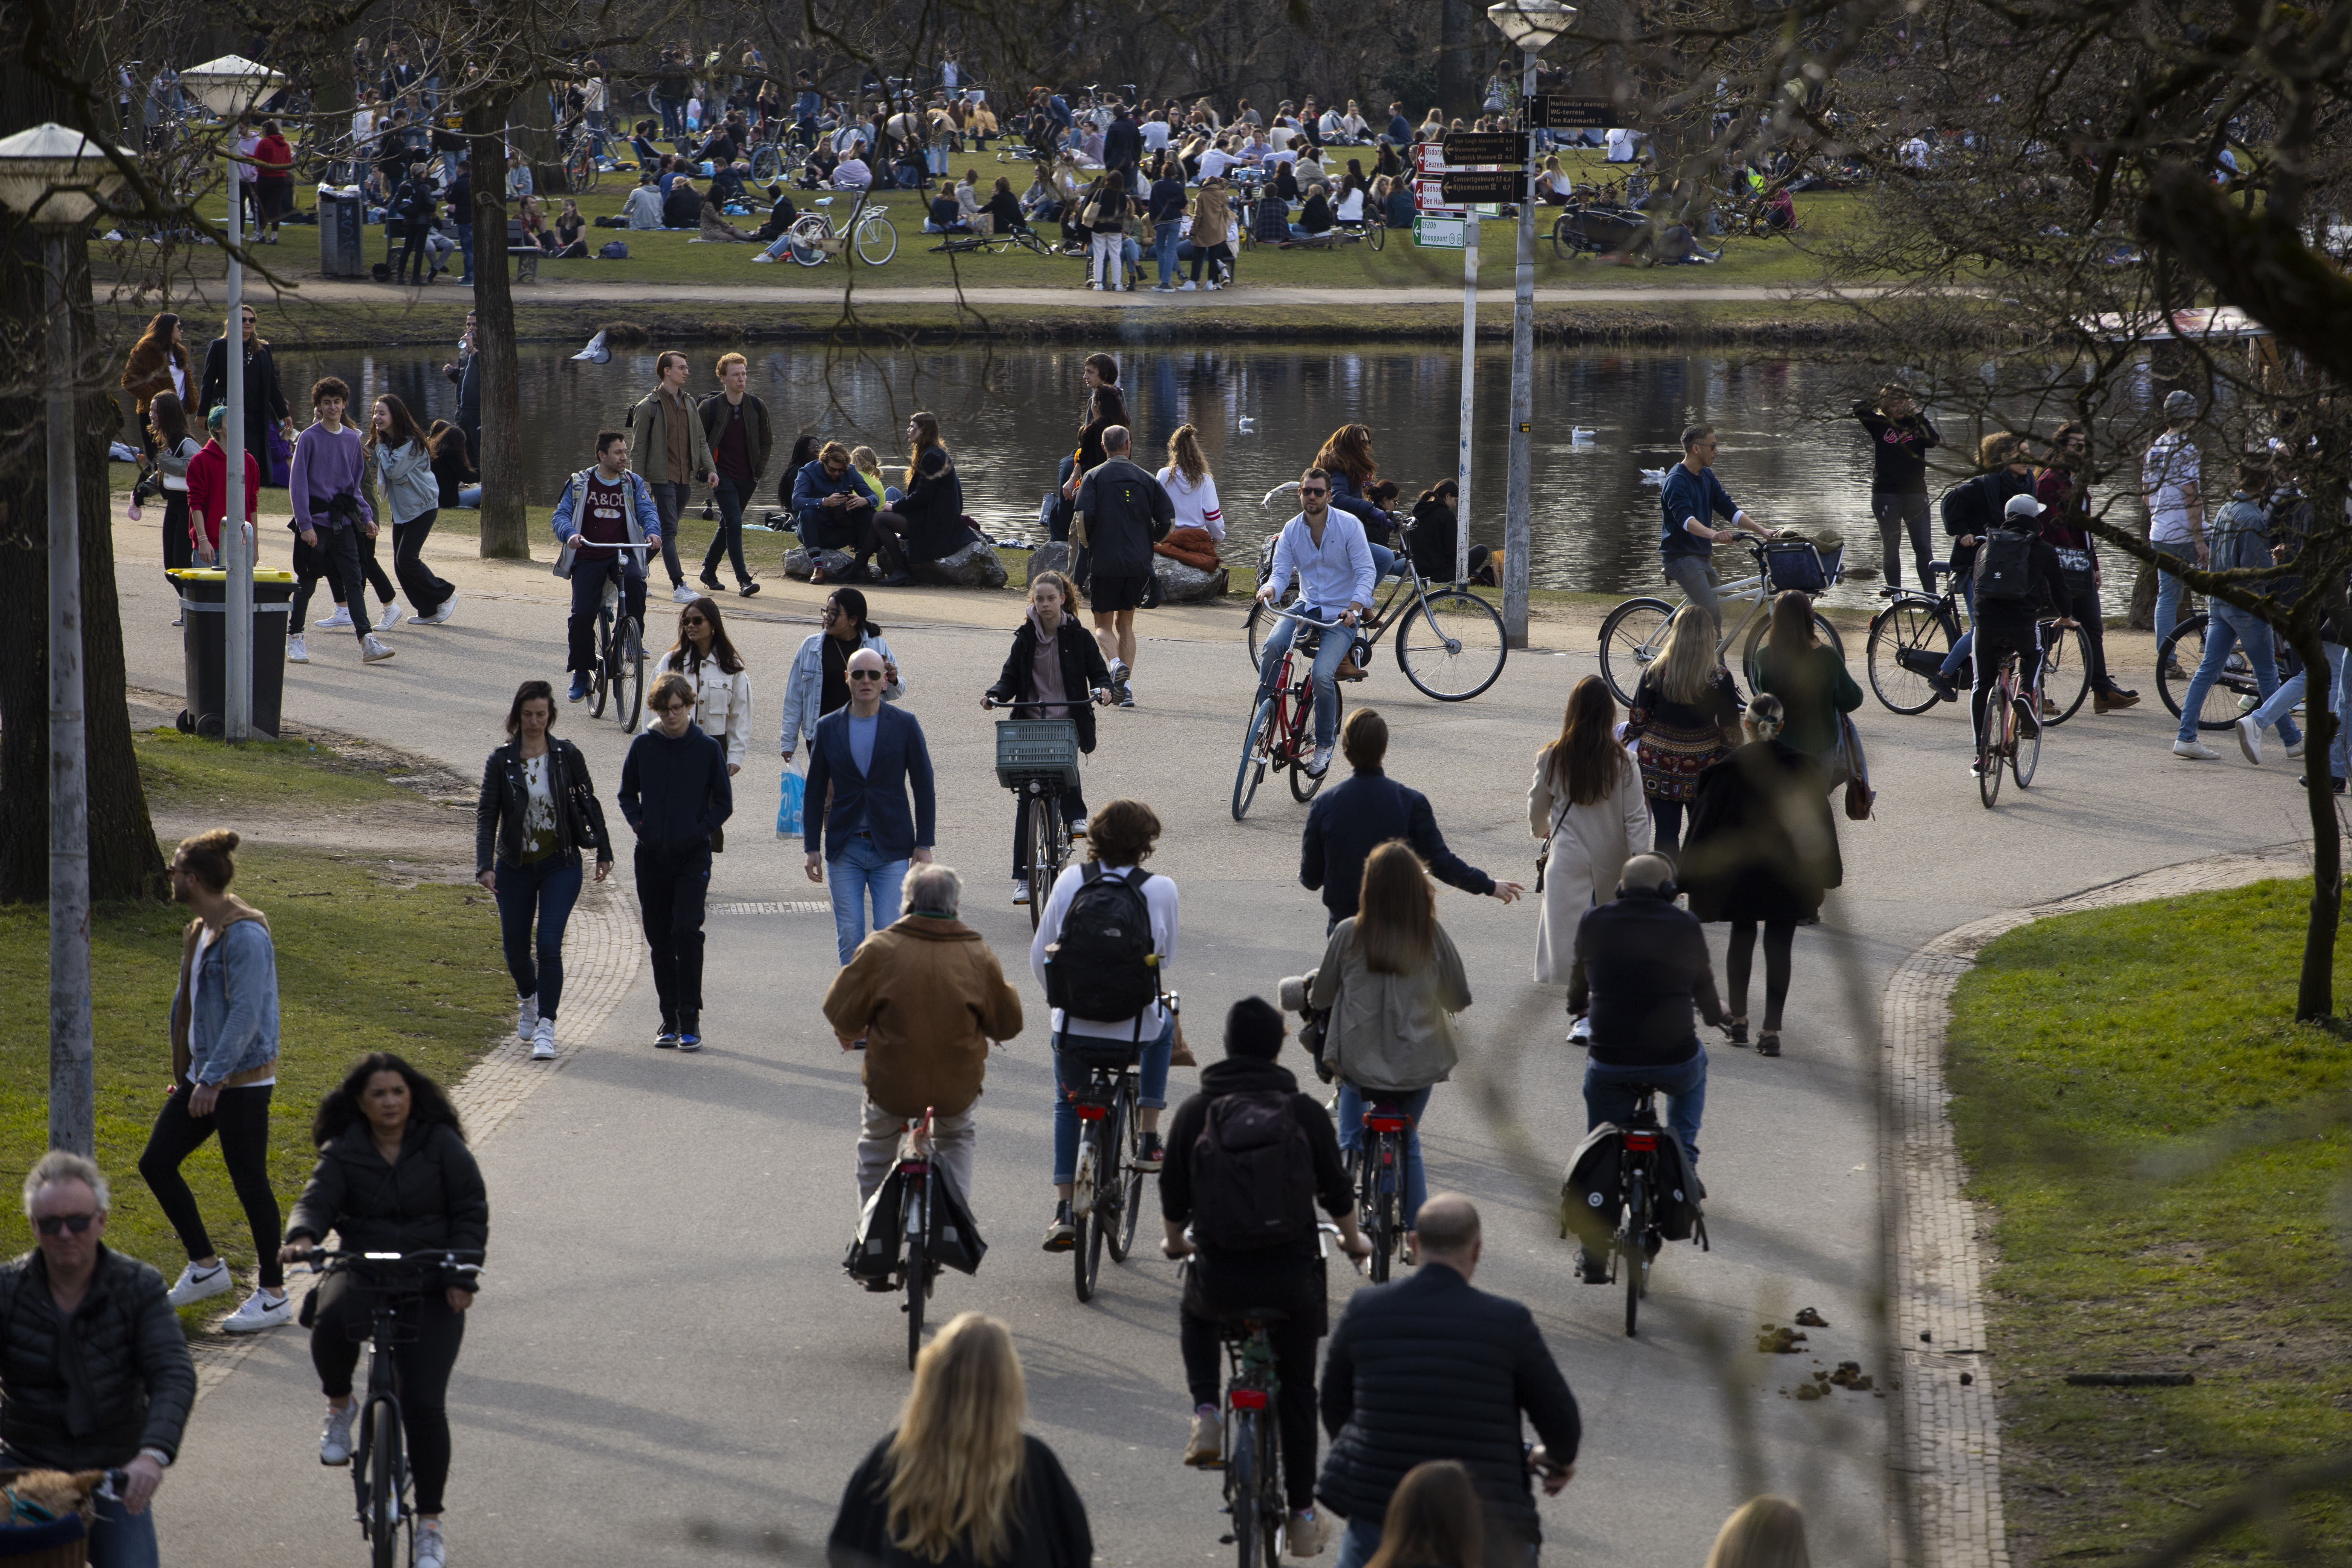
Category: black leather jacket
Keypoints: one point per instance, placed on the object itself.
(91, 1393)
(498, 815)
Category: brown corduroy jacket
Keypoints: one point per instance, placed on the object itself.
(928, 996)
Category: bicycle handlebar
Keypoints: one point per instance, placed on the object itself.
(324, 1261)
(1292, 615)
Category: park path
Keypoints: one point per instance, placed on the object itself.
(667, 1364)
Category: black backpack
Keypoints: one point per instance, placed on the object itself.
(1253, 1174)
(1103, 966)
(2005, 571)
(1961, 507)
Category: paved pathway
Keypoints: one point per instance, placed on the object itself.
(667, 1363)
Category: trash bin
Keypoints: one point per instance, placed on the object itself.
(342, 232)
(204, 594)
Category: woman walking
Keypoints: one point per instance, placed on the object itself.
(273, 183)
(819, 681)
(394, 1175)
(1054, 668)
(722, 685)
(1392, 981)
(1588, 806)
(402, 457)
(1812, 681)
(175, 446)
(1105, 216)
(1212, 235)
(224, 1027)
(537, 811)
(158, 362)
(957, 1483)
(1684, 718)
(1763, 850)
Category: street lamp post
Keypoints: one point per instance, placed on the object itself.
(1531, 24)
(56, 179)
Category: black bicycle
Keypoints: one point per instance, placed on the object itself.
(620, 674)
(1107, 1192)
(1910, 639)
(2236, 693)
(397, 1281)
(1038, 760)
(920, 1270)
(1379, 1161)
(1254, 1499)
(1635, 1243)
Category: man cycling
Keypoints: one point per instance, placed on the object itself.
(1333, 562)
(2017, 575)
(605, 522)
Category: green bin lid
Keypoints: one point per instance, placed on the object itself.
(215, 575)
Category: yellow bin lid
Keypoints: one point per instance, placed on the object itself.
(215, 575)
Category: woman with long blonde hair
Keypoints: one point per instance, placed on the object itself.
(1191, 486)
(1588, 805)
(1685, 719)
(957, 1482)
(1764, 1533)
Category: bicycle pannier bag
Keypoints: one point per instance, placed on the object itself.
(2004, 567)
(1253, 1174)
(1675, 1205)
(1591, 1193)
(1103, 966)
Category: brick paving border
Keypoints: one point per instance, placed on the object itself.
(1948, 1436)
(602, 948)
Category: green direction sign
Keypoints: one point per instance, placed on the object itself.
(1440, 233)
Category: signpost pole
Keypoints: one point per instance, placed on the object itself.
(1469, 393)
(235, 555)
(1518, 531)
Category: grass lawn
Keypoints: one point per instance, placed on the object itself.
(2086, 1051)
(364, 964)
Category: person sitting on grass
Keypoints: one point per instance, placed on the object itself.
(780, 216)
(1003, 210)
(1315, 218)
(644, 207)
(715, 230)
(853, 173)
(946, 214)
(682, 208)
(570, 233)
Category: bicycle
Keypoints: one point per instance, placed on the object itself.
(920, 1272)
(2232, 696)
(2010, 732)
(812, 240)
(995, 242)
(620, 658)
(1107, 1195)
(582, 168)
(1635, 1245)
(1038, 760)
(1252, 1465)
(1449, 641)
(1635, 631)
(1281, 732)
(379, 1464)
(1379, 1162)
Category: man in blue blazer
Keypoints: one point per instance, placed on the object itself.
(867, 755)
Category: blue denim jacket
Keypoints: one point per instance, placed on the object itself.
(232, 1024)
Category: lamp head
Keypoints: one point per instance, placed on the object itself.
(1531, 24)
(56, 176)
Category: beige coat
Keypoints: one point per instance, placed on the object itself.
(928, 996)
(1588, 855)
(1390, 1033)
(722, 703)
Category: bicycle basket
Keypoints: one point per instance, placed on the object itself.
(1036, 749)
(1796, 563)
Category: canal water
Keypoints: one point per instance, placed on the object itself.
(1790, 454)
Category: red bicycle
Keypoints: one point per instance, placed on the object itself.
(1282, 723)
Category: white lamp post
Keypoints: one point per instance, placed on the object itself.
(57, 179)
(1531, 24)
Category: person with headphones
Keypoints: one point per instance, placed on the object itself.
(1640, 971)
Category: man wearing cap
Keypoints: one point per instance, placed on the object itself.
(2018, 580)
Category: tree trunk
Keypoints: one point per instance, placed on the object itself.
(124, 859)
(505, 531)
(1462, 42)
(2314, 993)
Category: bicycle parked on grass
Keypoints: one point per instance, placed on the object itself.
(380, 1475)
(1281, 732)
(1106, 1194)
(1377, 1163)
(812, 240)
(1910, 639)
(1635, 631)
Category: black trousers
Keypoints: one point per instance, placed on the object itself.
(729, 540)
(425, 589)
(346, 1310)
(2083, 605)
(179, 544)
(412, 250)
(589, 571)
(241, 1118)
(1220, 252)
(1738, 961)
(1993, 643)
(336, 558)
(671, 892)
(1074, 807)
(1294, 1413)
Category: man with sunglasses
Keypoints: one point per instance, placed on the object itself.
(94, 1369)
(864, 760)
(1333, 560)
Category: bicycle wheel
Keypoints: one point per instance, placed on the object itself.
(580, 171)
(766, 164)
(1826, 633)
(1259, 624)
(2183, 651)
(629, 677)
(1130, 1179)
(1303, 784)
(1251, 772)
(2025, 752)
(1914, 628)
(919, 1286)
(1382, 1164)
(383, 1510)
(1376, 235)
(803, 236)
(1241, 1486)
(1630, 638)
(1272, 1515)
(1044, 823)
(1633, 1248)
(602, 687)
(1086, 1255)
(878, 238)
(1988, 744)
(1451, 645)
(2066, 676)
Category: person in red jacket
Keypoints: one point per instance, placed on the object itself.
(273, 161)
(209, 488)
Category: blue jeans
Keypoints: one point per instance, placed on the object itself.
(1609, 1097)
(861, 870)
(548, 889)
(119, 1538)
(1329, 655)
(1958, 660)
(1163, 247)
(2169, 591)
(2227, 626)
(1385, 561)
(466, 246)
(1151, 1067)
(2290, 692)
(1353, 1104)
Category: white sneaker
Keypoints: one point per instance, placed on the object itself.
(1187, 286)
(1020, 890)
(1316, 769)
(197, 1284)
(375, 651)
(526, 1015)
(682, 594)
(2249, 740)
(335, 1440)
(2296, 750)
(1212, 287)
(341, 617)
(1078, 828)
(259, 1312)
(389, 619)
(296, 653)
(2195, 751)
(432, 1552)
(441, 613)
(543, 1041)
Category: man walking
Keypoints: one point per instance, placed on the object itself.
(669, 450)
(1353, 818)
(2168, 486)
(1126, 512)
(464, 372)
(1691, 496)
(1167, 211)
(735, 428)
(867, 758)
(1431, 1368)
(925, 996)
(675, 792)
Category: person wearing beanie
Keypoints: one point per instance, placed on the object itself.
(1255, 1248)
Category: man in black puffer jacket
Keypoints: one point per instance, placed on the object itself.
(1430, 1368)
(94, 1370)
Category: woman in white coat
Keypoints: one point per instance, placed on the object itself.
(1587, 801)
(819, 682)
(722, 686)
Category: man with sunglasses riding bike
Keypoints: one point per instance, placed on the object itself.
(1329, 553)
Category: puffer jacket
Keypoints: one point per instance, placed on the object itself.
(1432, 1368)
(506, 798)
(433, 1198)
(1390, 1033)
(928, 996)
(90, 1393)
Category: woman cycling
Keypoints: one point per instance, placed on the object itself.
(1587, 805)
(1346, 457)
(1390, 980)
(1684, 719)
(1812, 681)
(722, 685)
(537, 812)
(1055, 664)
(819, 681)
(394, 1175)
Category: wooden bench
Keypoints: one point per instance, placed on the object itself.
(525, 253)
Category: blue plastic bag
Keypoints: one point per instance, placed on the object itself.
(789, 823)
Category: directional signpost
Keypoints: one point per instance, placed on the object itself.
(1472, 185)
(1556, 111)
(1464, 147)
(1440, 233)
